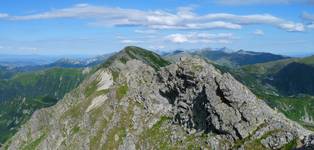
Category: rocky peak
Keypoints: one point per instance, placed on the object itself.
(204, 100)
(137, 100)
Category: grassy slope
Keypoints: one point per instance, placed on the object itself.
(294, 106)
(24, 93)
(133, 52)
(148, 57)
(275, 66)
(6, 73)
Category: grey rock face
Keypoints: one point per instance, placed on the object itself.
(308, 143)
(277, 140)
(206, 100)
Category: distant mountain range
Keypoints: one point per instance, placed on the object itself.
(25, 60)
(78, 63)
(20, 61)
(228, 57)
(18, 64)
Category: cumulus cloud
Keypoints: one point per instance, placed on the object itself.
(263, 2)
(200, 38)
(258, 32)
(183, 18)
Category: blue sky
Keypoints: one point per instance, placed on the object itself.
(76, 27)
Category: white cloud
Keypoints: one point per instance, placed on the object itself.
(257, 19)
(263, 2)
(196, 25)
(183, 18)
(258, 32)
(293, 27)
(130, 42)
(200, 38)
(145, 31)
(177, 38)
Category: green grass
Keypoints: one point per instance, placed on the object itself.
(197, 68)
(256, 144)
(91, 88)
(78, 109)
(241, 142)
(308, 126)
(307, 60)
(121, 91)
(115, 75)
(133, 52)
(100, 123)
(90, 93)
(148, 57)
(123, 60)
(33, 145)
(291, 145)
(75, 130)
(17, 111)
(293, 107)
(95, 140)
(157, 135)
(120, 131)
(267, 68)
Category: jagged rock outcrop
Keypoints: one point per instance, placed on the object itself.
(133, 103)
(203, 99)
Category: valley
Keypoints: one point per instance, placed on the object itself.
(24, 93)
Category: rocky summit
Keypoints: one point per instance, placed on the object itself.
(137, 100)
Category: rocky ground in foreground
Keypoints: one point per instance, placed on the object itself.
(137, 100)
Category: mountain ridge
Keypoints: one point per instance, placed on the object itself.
(136, 95)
